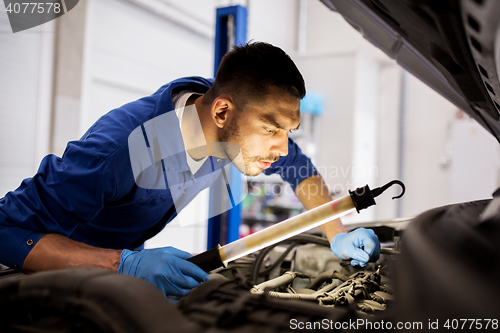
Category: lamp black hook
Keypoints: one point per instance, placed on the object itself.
(379, 190)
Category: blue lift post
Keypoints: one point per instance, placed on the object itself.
(230, 30)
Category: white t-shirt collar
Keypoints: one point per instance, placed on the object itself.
(180, 101)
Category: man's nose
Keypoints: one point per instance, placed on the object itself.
(280, 146)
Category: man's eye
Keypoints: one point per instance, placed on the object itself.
(269, 130)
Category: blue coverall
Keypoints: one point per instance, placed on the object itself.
(90, 193)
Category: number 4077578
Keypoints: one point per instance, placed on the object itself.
(33, 8)
(477, 324)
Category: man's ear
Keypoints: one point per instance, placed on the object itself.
(222, 108)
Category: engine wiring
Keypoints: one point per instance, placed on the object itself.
(352, 286)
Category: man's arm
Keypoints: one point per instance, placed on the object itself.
(313, 192)
(165, 268)
(55, 251)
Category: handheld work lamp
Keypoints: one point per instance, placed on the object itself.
(357, 200)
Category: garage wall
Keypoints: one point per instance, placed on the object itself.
(322, 74)
(130, 53)
(470, 180)
(426, 139)
(273, 22)
(67, 82)
(327, 30)
(25, 100)
(388, 139)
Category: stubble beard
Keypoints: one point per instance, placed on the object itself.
(243, 164)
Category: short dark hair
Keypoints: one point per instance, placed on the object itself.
(248, 71)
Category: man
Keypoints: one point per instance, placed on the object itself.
(140, 164)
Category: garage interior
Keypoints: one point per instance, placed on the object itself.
(365, 120)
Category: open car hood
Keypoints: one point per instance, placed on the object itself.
(451, 45)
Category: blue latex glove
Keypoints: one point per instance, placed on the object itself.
(165, 268)
(360, 245)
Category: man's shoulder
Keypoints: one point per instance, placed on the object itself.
(112, 130)
(194, 83)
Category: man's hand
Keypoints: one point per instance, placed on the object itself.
(165, 268)
(360, 245)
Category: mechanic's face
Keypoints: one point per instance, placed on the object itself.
(261, 131)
